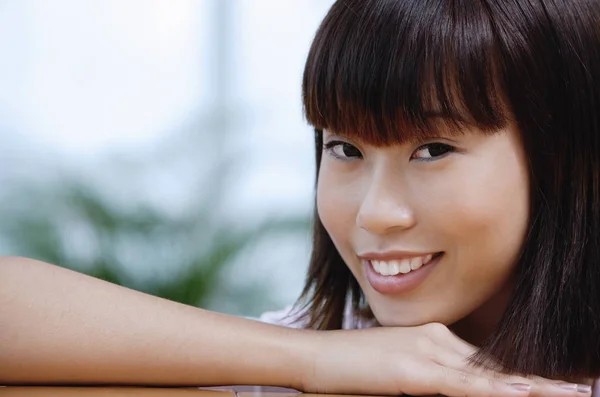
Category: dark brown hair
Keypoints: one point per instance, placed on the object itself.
(377, 69)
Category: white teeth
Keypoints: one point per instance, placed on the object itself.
(404, 266)
(416, 262)
(385, 269)
(376, 266)
(394, 268)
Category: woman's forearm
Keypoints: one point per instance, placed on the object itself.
(59, 326)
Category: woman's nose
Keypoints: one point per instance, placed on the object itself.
(385, 209)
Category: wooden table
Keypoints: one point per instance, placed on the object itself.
(235, 391)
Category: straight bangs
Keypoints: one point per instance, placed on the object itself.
(388, 72)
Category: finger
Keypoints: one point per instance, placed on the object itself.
(455, 383)
(543, 389)
(457, 358)
(453, 352)
(568, 385)
(539, 386)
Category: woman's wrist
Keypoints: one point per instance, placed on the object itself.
(282, 357)
(313, 354)
(308, 349)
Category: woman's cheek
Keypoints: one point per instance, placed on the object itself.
(336, 203)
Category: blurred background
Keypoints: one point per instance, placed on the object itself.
(160, 144)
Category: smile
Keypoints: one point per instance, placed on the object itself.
(401, 274)
(404, 266)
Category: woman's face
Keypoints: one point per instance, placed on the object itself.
(454, 209)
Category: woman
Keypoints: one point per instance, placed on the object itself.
(458, 204)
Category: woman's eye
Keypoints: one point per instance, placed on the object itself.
(431, 151)
(342, 150)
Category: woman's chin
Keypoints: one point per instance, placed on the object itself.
(392, 318)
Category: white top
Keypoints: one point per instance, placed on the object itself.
(289, 318)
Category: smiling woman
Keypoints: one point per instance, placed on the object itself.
(391, 209)
(458, 181)
(501, 181)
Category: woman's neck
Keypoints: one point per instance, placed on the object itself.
(481, 323)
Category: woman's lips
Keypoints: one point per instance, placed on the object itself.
(400, 283)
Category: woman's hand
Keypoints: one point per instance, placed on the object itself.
(424, 360)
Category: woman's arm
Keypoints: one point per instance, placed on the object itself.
(59, 326)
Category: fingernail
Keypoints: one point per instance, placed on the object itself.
(567, 386)
(521, 386)
(584, 388)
